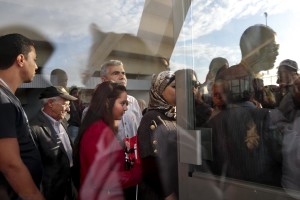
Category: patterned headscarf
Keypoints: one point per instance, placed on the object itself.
(158, 85)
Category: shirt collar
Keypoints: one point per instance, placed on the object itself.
(52, 121)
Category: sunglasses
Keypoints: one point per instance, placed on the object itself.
(195, 83)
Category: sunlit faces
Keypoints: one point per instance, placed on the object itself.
(267, 55)
(271, 53)
(218, 95)
(285, 77)
(29, 66)
(60, 108)
(120, 106)
(296, 90)
(169, 94)
(195, 84)
(116, 74)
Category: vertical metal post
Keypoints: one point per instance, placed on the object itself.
(266, 16)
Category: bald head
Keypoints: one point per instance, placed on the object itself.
(259, 48)
(59, 77)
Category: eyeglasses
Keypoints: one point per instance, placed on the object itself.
(66, 105)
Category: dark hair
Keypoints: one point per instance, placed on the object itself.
(11, 46)
(101, 107)
(73, 89)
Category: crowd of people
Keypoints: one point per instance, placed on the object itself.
(254, 136)
(117, 149)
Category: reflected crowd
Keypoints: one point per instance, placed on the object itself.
(118, 147)
(254, 133)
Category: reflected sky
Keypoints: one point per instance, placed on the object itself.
(212, 28)
(67, 25)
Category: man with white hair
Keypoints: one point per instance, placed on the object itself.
(113, 70)
(50, 133)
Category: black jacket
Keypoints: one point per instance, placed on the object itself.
(56, 181)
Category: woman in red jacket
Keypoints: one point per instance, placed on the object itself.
(103, 174)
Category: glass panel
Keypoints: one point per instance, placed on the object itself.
(252, 38)
(208, 37)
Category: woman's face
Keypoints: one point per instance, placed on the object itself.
(169, 94)
(120, 106)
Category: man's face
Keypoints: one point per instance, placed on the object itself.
(30, 66)
(296, 91)
(59, 108)
(116, 74)
(218, 95)
(267, 55)
(285, 77)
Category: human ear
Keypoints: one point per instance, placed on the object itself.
(20, 60)
(103, 78)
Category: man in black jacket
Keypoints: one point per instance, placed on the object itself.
(49, 130)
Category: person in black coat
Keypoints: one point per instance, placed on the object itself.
(49, 132)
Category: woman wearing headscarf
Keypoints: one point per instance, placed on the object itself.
(157, 141)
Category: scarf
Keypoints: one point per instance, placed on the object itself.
(158, 85)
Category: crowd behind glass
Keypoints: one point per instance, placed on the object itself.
(114, 149)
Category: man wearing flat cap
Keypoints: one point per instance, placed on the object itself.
(50, 133)
(287, 74)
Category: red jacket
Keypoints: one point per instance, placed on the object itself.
(102, 164)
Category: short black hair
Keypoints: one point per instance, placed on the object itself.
(12, 45)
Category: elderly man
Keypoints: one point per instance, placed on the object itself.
(49, 131)
(287, 74)
(113, 70)
(20, 163)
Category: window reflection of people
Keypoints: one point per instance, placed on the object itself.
(243, 146)
(59, 77)
(157, 141)
(202, 109)
(289, 128)
(215, 66)
(259, 51)
(287, 74)
(291, 148)
(220, 99)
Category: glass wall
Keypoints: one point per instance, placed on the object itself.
(245, 104)
(150, 36)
